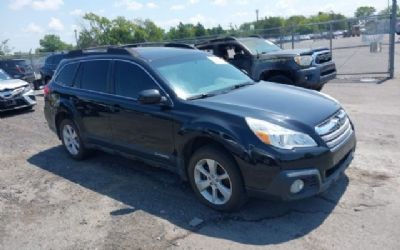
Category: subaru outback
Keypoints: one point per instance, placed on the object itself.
(200, 117)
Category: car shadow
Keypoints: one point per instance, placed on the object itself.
(16, 112)
(163, 194)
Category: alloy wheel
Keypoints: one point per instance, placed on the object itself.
(213, 181)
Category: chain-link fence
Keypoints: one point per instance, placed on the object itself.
(360, 46)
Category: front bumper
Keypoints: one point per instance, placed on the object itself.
(318, 169)
(316, 76)
(20, 101)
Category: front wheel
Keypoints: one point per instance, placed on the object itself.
(71, 140)
(215, 179)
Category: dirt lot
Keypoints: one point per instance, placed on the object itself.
(48, 201)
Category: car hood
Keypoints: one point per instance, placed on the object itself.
(292, 52)
(274, 102)
(11, 84)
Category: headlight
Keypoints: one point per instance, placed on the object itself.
(27, 89)
(303, 60)
(278, 136)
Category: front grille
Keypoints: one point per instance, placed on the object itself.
(335, 130)
(323, 58)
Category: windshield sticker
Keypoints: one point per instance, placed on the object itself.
(216, 60)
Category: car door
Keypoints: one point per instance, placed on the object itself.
(137, 128)
(92, 101)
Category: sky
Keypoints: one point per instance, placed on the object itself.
(25, 22)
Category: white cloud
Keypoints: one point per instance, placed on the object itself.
(177, 7)
(242, 14)
(129, 4)
(193, 1)
(37, 5)
(33, 28)
(56, 24)
(242, 2)
(47, 4)
(197, 19)
(151, 5)
(18, 4)
(77, 12)
(219, 2)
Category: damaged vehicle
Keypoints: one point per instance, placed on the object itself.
(15, 93)
(263, 60)
(200, 117)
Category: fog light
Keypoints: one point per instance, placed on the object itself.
(297, 186)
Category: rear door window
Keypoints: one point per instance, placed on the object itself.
(95, 75)
(67, 74)
(130, 79)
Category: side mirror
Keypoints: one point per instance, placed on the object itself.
(150, 96)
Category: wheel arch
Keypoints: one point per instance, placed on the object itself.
(265, 75)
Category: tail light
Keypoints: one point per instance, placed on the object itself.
(46, 90)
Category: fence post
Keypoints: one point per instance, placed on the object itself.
(392, 38)
(330, 35)
(280, 37)
(292, 28)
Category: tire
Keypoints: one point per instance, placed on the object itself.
(222, 189)
(71, 140)
(280, 79)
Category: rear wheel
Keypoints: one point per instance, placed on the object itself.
(71, 140)
(280, 79)
(216, 180)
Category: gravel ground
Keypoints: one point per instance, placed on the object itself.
(48, 201)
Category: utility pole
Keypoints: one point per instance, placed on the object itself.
(257, 15)
(76, 37)
(392, 38)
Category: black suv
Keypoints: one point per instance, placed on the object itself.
(18, 69)
(50, 65)
(263, 60)
(195, 114)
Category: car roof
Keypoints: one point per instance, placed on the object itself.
(159, 53)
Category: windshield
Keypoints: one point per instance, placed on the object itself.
(259, 46)
(199, 74)
(4, 76)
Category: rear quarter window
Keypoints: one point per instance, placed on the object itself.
(94, 75)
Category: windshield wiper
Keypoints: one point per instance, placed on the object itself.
(240, 85)
(200, 96)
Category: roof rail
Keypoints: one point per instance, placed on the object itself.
(159, 44)
(99, 51)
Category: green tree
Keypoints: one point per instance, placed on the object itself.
(218, 30)
(199, 30)
(103, 31)
(364, 11)
(52, 43)
(5, 48)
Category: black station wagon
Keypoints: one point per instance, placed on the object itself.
(194, 114)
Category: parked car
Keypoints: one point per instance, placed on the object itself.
(195, 114)
(263, 60)
(15, 93)
(50, 65)
(18, 69)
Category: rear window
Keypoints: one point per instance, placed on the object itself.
(94, 75)
(67, 74)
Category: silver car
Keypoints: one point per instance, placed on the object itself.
(15, 93)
